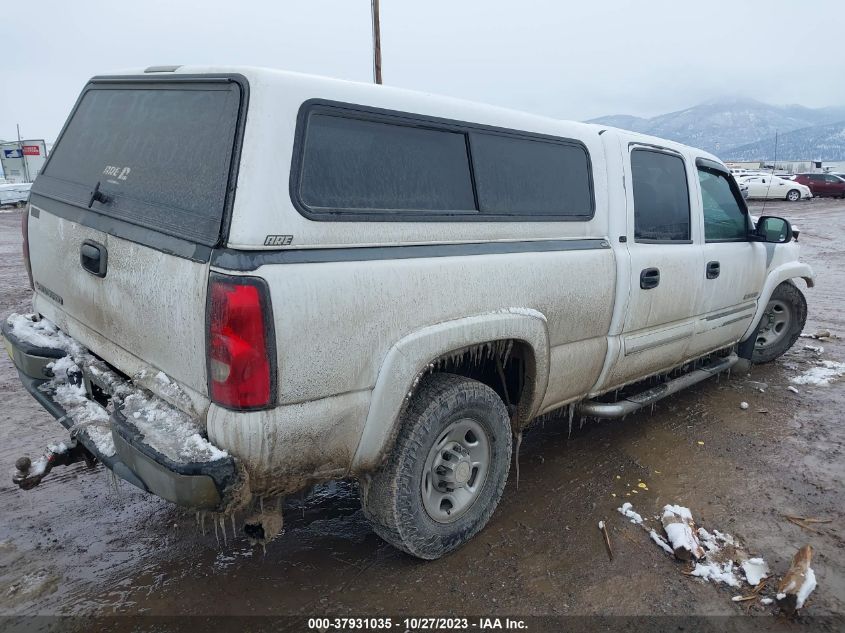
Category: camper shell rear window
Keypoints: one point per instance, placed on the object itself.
(354, 163)
(159, 155)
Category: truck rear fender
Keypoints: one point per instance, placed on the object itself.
(408, 360)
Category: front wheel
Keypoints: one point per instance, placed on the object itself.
(446, 473)
(794, 195)
(781, 323)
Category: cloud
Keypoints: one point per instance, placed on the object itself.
(559, 58)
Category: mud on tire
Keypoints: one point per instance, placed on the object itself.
(788, 306)
(392, 498)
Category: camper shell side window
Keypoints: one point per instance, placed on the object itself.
(354, 163)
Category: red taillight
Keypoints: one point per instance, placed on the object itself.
(25, 232)
(240, 347)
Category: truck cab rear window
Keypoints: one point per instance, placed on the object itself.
(394, 167)
(661, 197)
(161, 155)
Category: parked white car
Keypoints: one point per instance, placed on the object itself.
(14, 194)
(270, 280)
(774, 187)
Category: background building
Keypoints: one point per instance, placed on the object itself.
(21, 161)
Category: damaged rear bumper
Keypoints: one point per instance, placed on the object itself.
(119, 444)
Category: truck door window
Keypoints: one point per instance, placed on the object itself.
(661, 197)
(724, 216)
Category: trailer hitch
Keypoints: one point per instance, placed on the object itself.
(29, 474)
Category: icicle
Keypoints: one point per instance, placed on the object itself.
(114, 483)
(652, 409)
(571, 417)
(234, 531)
(222, 522)
(261, 504)
(216, 536)
(202, 523)
(518, 442)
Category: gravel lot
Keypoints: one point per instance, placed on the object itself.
(82, 544)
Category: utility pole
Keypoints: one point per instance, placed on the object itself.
(374, 9)
(23, 156)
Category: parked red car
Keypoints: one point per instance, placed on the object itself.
(823, 184)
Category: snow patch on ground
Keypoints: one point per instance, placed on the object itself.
(755, 570)
(717, 572)
(627, 511)
(822, 375)
(719, 555)
(680, 511)
(661, 542)
(808, 584)
(806, 588)
(677, 523)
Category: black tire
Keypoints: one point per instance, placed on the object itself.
(793, 195)
(392, 498)
(769, 343)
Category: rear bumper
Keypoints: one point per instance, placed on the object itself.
(208, 485)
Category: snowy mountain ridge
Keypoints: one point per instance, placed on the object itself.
(744, 129)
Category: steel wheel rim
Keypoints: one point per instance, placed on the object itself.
(774, 326)
(455, 470)
(793, 195)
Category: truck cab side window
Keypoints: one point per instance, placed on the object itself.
(724, 217)
(661, 197)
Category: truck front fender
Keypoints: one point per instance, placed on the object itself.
(775, 277)
(408, 360)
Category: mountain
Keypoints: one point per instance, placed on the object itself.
(719, 126)
(820, 142)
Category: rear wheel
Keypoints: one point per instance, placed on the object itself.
(794, 195)
(446, 473)
(781, 324)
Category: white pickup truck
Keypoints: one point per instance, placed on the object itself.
(248, 281)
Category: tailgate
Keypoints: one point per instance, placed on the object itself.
(125, 214)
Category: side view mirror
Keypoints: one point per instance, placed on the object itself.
(773, 230)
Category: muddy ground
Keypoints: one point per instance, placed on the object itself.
(79, 544)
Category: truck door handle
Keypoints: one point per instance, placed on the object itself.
(94, 258)
(713, 270)
(649, 278)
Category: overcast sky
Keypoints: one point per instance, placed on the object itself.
(574, 60)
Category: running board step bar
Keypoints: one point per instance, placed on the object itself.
(630, 404)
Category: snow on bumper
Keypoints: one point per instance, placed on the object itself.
(142, 438)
